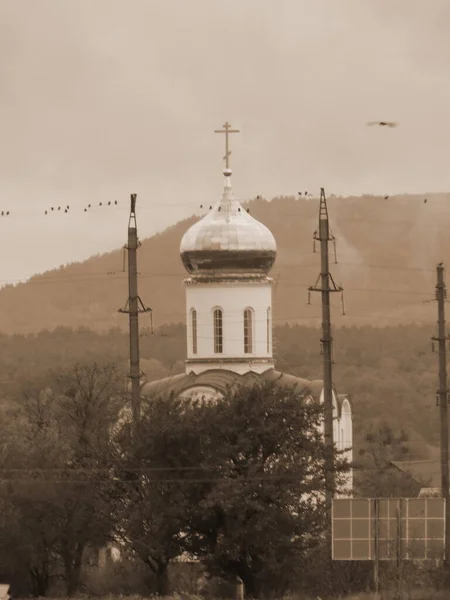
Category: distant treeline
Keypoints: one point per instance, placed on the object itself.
(391, 373)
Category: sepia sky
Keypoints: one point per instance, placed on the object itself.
(101, 98)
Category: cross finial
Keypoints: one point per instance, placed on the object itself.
(226, 130)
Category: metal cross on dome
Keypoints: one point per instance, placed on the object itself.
(226, 130)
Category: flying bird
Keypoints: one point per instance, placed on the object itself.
(382, 123)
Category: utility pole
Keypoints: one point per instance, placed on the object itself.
(326, 286)
(133, 307)
(441, 296)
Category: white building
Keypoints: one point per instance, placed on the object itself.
(228, 255)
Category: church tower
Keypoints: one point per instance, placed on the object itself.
(228, 255)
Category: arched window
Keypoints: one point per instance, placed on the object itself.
(248, 331)
(218, 331)
(194, 330)
(268, 330)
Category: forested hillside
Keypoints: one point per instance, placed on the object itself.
(391, 373)
(387, 250)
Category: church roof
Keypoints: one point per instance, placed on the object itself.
(222, 379)
(424, 472)
(228, 241)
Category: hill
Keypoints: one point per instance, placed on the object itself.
(387, 251)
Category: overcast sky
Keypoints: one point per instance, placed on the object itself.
(101, 98)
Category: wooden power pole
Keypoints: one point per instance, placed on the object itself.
(441, 296)
(133, 307)
(325, 284)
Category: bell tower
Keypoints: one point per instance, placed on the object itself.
(228, 255)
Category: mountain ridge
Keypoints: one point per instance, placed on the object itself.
(387, 250)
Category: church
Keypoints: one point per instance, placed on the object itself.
(228, 256)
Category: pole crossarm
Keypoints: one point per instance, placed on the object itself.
(141, 308)
(318, 287)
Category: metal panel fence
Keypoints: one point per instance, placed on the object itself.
(388, 528)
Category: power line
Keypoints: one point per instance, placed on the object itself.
(260, 478)
(39, 279)
(128, 469)
(145, 275)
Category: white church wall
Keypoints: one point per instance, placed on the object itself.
(336, 420)
(342, 437)
(347, 441)
(233, 299)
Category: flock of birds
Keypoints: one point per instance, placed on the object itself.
(306, 194)
(66, 209)
(6, 213)
(239, 210)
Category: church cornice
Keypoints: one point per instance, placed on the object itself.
(233, 360)
(229, 280)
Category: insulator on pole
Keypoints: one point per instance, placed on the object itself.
(335, 253)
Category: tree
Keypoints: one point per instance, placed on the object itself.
(375, 475)
(264, 512)
(238, 483)
(157, 488)
(89, 399)
(62, 494)
(28, 541)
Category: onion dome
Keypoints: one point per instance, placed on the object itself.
(228, 241)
